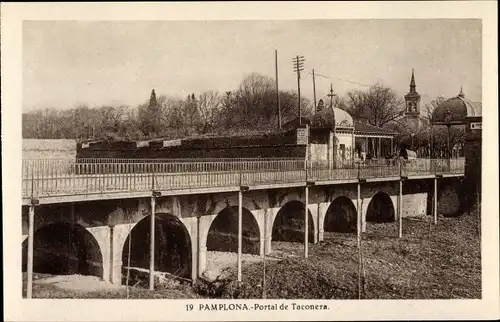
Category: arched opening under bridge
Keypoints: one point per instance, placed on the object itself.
(289, 223)
(223, 232)
(380, 209)
(341, 216)
(172, 247)
(449, 202)
(64, 249)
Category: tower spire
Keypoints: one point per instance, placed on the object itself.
(412, 82)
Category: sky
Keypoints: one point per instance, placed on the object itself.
(68, 63)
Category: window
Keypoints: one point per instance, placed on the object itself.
(342, 151)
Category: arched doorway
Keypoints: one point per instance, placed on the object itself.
(172, 246)
(223, 232)
(64, 249)
(380, 209)
(341, 216)
(289, 223)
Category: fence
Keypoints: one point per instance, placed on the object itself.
(59, 177)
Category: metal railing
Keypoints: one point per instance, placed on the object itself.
(41, 178)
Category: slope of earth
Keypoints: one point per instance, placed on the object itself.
(429, 262)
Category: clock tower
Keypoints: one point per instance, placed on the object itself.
(412, 100)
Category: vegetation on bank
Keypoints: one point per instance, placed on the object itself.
(429, 262)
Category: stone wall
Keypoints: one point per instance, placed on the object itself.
(270, 145)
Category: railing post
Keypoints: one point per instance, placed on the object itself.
(241, 173)
(153, 178)
(32, 182)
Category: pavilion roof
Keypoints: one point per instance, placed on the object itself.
(367, 128)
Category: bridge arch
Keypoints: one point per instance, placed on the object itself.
(289, 223)
(223, 232)
(381, 208)
(173, 250)
(63, 248)
(449, 202)
(341, 216)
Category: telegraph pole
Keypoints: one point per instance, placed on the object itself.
(277, 90)
(314, 91)
(298, 66)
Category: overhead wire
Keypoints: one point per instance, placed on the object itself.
(359, 84)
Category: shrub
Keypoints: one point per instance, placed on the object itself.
(293, 278)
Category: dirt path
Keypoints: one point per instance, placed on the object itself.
(220, 263)
(78, 282)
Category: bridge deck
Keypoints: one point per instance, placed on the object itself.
(55, 182)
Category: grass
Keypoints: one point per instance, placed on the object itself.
(429, 262)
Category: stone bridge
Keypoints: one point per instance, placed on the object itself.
(93, 233)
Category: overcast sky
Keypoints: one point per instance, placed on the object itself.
(96, 63)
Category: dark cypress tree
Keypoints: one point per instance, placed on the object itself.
(152, 100)
(153, 115)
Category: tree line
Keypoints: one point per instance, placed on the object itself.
(251, 108)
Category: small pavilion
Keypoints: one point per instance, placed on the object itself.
(337, 138)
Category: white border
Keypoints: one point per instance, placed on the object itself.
(120, 310)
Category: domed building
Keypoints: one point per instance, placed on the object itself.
(335, 126)
(461, 111)
(456, 110)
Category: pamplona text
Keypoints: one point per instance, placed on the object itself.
(255, 307)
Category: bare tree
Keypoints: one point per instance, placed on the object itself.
(255, 101)
(209, 106)
(430, 107)
(379, 105)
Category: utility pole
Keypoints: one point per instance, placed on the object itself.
(298, 66)
(277, 89)
(314, 91)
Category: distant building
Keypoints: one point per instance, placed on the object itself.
(454, 112)
(412, 119)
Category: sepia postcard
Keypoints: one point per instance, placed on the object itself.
(250, 161)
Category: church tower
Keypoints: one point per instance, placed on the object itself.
(412, 100)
